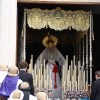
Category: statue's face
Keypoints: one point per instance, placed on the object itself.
(51, 48)
(50, 45)
(52, 61)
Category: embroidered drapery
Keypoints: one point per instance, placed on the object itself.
(58, 19)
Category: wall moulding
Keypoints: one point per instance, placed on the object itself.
(89, 2)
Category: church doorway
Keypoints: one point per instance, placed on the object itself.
(94, 8)
(65, 38)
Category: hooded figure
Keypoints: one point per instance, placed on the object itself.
(42, 96)
(11, 82)
(25, 88)
(16, 95)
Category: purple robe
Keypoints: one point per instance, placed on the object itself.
(8, 85)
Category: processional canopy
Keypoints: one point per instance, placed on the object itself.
(58, 19)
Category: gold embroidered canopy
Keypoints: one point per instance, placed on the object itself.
(58, 19)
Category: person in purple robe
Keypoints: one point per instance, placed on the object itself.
(10, 83)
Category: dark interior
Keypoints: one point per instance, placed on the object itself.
(34, 37)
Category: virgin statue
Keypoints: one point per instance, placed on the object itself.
(54, 61)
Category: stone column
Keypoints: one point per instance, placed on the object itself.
(8, 19)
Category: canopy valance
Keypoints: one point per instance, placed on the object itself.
(58, 19)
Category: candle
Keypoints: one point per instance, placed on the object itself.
(63, 78)
(76, 85)
(70, 86)
(41, 59)
(82, 77)
(36, 81)
(66, 75)
(71, 70)
(69, 75)
(68, 79)
(39, 79)
(64, 85)
(84, 80)
(44, 73)
(51, 84)
(32, 60)
(45, 84)
(47, 76)
(41, 76)
(75, 73)
(78, 82)
(74, 60)
(86, 85)
(50, 80)
(66, 69)
(35, 70)
(72, 82)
